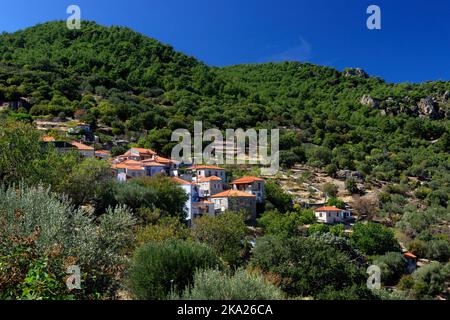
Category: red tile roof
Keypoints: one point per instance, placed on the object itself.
(128, 167)
(410, 255)
(181, 181)
(233, 193)
(142, 150)
(104, 152)
(163, 160)
(246, 180)
(205, 167)
(212, 178)
(81, 146)
(326, 208)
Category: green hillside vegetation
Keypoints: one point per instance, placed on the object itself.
(130, 87)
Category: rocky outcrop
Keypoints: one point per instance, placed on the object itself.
(355, 72)
(446, 96)
(428, 108)
(368, 101)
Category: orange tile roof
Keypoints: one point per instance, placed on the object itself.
(142, 150)
(326, 208)
(163, 160)
(410, 255)
(233, 193)
(246, 180)
(128, 167)
(212, 178)
(132, 162)
(105, 152)
(205, 167)
(81, 146)
(181, 181)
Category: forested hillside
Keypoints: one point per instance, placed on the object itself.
(116, 77)
(134, 91)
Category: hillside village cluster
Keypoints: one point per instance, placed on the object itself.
(207, 188)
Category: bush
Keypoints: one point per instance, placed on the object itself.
(282, 225)
(157, 192)
(392, 265)
(217, 285)
(49, 230)
(168, 228)
(330, 189)
(429, 280)
(373, 238)
(224, 233)
(282, 201)
(161, 267)
(306, 266)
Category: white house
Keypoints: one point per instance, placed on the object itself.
(138, 154)
(252, 185)
(190, 190)
(208, 171)
(331, 215)
(235, 200)
(209, 186)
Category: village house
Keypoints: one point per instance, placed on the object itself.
(138, 154)
(235, 200)
(208, 171)
(102, 154)
(191, 191)
(252, 185)
(209, 186)
(331, 215)
(60, 146)
(202, 208)
(126, 172)
(170, 166)
(129, 169)
(84, 150)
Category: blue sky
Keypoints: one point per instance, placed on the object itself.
(412, 46)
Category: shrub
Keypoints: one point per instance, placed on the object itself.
(217, 285)
(392, 265)
(282, 201)
(55, 232)
(282, 225)
(373, 238)
(224, 233)
(168, 228)
(306, 266)
(330, 189)
(161, 267)
(429, 280)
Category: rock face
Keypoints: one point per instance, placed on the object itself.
(368, 101)
(428, 108)
(446, 96)
(355, 72)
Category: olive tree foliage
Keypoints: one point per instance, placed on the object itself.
(62, 227)
(214, 284)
